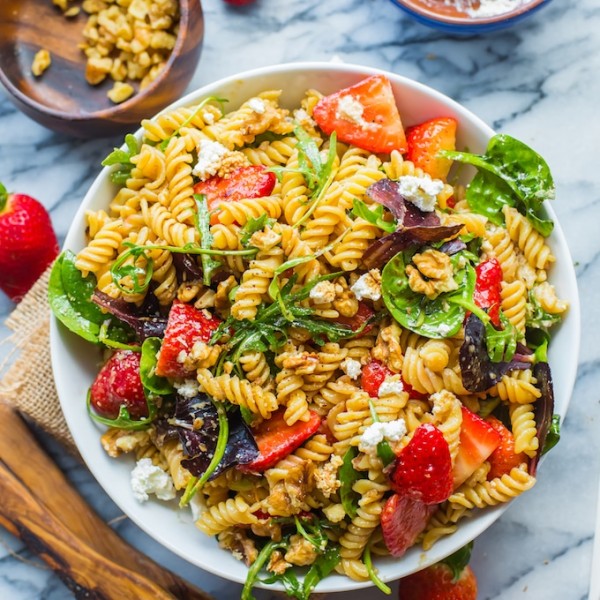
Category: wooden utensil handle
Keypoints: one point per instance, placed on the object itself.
(28, 474)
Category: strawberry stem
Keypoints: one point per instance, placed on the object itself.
(3, 198)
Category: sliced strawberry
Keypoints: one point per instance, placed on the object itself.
(488, 287)
(412, 393)
(374, 374)
(118, 384)
(402, 520)
(186, 326)
(363, 314)
(438, 583)
(478, 440)
(365, 115)
(244, 182)
(423, 469)
(276, 439)
(504, 458)
(425, 142)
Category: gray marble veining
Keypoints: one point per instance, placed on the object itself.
(538, 81)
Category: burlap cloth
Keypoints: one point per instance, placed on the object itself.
(27, 382)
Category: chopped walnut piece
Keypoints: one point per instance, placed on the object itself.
(41, 61)
(277, 564)
(433, 274)
(301, 552)
(120, 92)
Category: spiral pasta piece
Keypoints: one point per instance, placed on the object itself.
(514, 303)
(531, 243)
(250, 208)
(102, 249)
(517, 387)
(524, 429)
(238, 391)
(234, 511)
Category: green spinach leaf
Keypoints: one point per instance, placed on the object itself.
(152, 382)
(553, 436)
(63, 309)
(515, 175)
(324, 564)
(123, 159)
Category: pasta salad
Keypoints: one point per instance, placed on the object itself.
(313, 335)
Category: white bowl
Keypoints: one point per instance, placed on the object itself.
(76, 363)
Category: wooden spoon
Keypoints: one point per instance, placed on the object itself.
(61, 98)
(42, 508)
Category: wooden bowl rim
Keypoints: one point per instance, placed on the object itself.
(421, 8)
(123, 107)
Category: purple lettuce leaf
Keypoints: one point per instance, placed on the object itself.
(195, 422)
(415, 227)
(186, 267)
(142, 320)
(543, 409)
(479, 372)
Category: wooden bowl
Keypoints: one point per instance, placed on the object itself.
(61, 99)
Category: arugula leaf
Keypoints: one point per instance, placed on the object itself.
(163, 145)
(209, 264)
(512, 173)
(538, 340)
(348, 476)
(253, 225)
(290, 582)
(374, 215)
(135, 268)
(122, 158)
(257, 565)
(537, 317)
(501, 343)
(152, 382)
(314, 535)
(124, 420)
(553, 436)
(372, 572)
(459, 560)
(322, 566)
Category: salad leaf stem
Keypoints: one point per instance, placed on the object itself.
(202, 218)
(373, 576)
(196, 483)
(123, 419)
(257, 565)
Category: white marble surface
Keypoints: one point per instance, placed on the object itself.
(538, 81)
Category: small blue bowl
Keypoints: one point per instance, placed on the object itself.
(446, 17)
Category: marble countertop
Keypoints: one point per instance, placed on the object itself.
(537, 81)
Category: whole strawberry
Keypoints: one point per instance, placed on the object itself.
(27, 243)
(450, 579)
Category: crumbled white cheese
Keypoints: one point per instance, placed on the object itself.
(208, 118)
(257, 105)
(323, 292)
(350, 109)
(351, 367)
(188, 388)
(147, 478)
(196, 506)
(368, 286)
(182, 356)
(210, 156)
(393, 431)
(389, 386)
(303, 117)
(444, 329)
(421, 191)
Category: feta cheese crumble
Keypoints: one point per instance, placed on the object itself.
(147, 478)
(392, 431)
(350, 109)
(421, 191)
(323, 292)
(188, 388)
(351, 367)
(257, 105)
(208, 118)
(368, 286)
(210, 156)
(390, 386)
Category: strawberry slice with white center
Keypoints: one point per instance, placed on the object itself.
(478, 440)
(365, 115)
